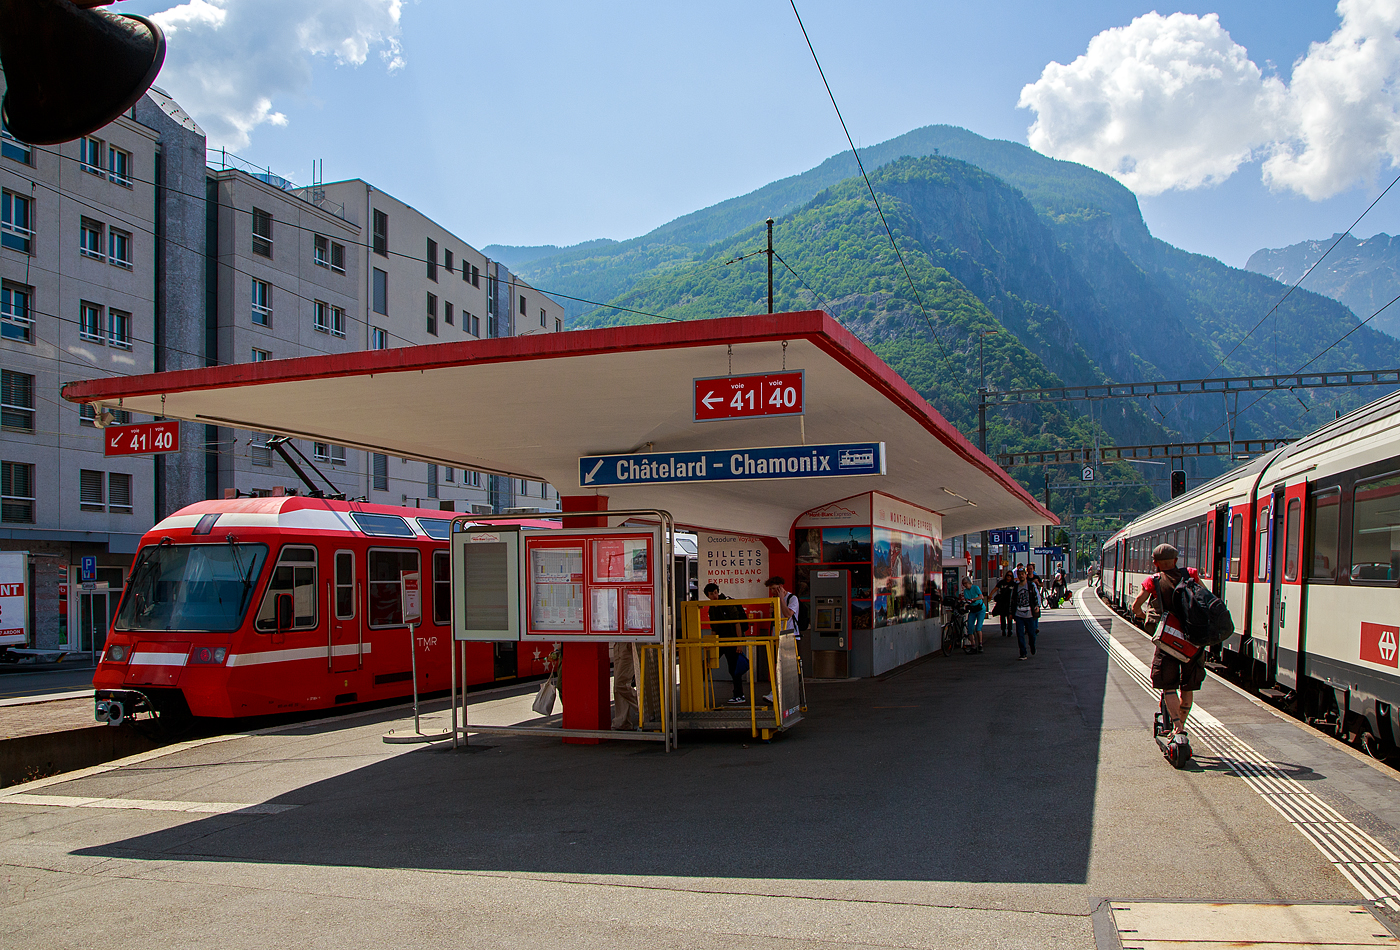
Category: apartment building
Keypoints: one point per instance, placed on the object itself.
(78, 238)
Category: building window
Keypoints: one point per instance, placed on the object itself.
(432, 314)
(522, 305)
(329, 254)
(90, 155)
(322, 320)
(432, 481)
(259, 452)
(432, 259)
(476, 325)
(16, 400)
(90, 239)
(262, 303)
(12, 148)
(119, 248)
(542, 319)
(447, 260)
(448, 474)
(558, 325)
(16, 493)
(16, 221)
(381, 292)
(378, 340)
(476, 276)
(87, 416)
(379, 467)
(119, 493)
(472, 478)
(90, 494)
(381, 234)
(91, 326)
(260, 356)
(325, 452)
(262, 232)
(119, 328)
(15, 321)
(447, 313)
(119, 166)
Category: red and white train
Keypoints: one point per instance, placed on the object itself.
(197, 630)
(1303, 544)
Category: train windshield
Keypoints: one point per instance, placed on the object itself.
(191, 587)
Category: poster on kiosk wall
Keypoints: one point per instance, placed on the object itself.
(14, 598)
(594, 584)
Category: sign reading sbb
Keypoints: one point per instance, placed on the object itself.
(141, 438)
(1380, 643)
(749, 397)
(731, 465)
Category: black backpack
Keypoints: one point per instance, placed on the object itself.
(804, 615)
(1204, 617)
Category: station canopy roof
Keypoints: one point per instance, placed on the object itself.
(531, 406)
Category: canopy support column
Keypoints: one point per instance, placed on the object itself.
(583, 679)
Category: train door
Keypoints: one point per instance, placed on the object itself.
(1273, 553)
(1119, 563)
(1218, 536)
(1287, 640)
(345, 643)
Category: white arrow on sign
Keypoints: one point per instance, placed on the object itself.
(710, 400)
(116, 437)
(589, 477)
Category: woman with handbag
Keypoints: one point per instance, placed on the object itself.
(1027, 611)
(1002, 597)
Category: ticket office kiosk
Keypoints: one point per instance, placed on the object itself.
(829, 609)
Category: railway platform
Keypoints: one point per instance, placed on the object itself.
(967, 801)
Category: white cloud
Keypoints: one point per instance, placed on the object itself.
(228, 60)
(1174, 102)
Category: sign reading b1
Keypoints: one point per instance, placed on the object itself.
(749, 397)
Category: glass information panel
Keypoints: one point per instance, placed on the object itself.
(556, 588)
(621, 561)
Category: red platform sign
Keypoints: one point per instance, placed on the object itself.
(141, 439)
(749, 397)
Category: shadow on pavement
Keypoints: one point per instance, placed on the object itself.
(970, 768)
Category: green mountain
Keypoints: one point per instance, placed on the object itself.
(995, 236)
(1363, 274)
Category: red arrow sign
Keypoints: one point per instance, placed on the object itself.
(749, 397)
(141, 439)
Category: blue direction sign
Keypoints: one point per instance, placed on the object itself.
(734, 465)
(1004, 536)
(1054, 553)
(1019, 547)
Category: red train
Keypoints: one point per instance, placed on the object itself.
(198, 632)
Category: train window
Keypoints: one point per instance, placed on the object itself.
(442, 587)
(436, 528)
(1324, 511)
(191, 587)
(382, 526)
(1291, 532)
(1261, 550)
(1375, 530)
(294, 574)
(1191, 553)
(1236, 541)
(344, 585)
(385, 584)
(1208, 552)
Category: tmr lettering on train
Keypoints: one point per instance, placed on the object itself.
(1380, 643)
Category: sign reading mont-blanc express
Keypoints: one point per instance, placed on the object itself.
(734, 465)
(748, 397)
(142, 438)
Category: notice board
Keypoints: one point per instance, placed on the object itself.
(594, 584)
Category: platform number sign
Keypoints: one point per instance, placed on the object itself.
(749, 397)
(141, 439)
(1088, 474)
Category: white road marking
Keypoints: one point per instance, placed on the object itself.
(1370, 867)
(145, 804)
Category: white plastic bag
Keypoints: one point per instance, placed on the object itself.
(544, 699)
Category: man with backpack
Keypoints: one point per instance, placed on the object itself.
(1160, 596)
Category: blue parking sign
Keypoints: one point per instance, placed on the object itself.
(89, 568)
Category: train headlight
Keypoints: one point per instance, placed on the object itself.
(116, 653)
(208, 655)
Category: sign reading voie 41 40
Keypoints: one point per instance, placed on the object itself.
(749, 397)
(732, 465)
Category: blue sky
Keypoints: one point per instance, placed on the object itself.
(554, 122)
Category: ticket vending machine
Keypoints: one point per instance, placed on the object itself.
(830, 628)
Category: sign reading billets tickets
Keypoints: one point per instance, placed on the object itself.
(571, 585)
(732, 465)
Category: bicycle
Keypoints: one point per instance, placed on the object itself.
(955, 630)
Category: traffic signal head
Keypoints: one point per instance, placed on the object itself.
(70, 70)
(1178, 483)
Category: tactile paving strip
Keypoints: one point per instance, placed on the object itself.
(1370, 866)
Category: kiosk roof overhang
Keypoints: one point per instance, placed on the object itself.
(531, 406)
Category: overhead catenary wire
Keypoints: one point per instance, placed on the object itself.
(870, 188)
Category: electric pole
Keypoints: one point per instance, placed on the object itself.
(770, 265)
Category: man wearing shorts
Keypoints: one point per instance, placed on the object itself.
(1168, 673)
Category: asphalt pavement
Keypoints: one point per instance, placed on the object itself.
(969, 801)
